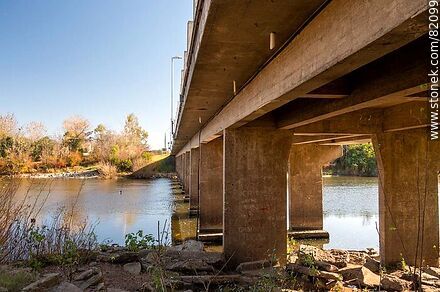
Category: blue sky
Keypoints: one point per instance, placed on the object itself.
(101, 59)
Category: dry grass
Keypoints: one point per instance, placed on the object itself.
(22, 238)
(107, 169)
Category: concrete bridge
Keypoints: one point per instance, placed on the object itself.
(272, 88)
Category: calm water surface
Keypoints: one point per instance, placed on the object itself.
(122, 206)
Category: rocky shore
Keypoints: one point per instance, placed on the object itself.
(187, 267)
(81, 174)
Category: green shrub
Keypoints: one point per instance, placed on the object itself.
(357, 160)
(125, 165)
(137, 241)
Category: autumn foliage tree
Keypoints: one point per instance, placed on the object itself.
(29, 148)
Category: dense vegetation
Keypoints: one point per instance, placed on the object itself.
(359, 160)
(29, 148)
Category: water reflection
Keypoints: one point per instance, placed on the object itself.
(122, 206)
(351, 209)
(117, 207)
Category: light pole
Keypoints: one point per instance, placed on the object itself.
(172, 95)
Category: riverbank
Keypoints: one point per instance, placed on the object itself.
(188, 267)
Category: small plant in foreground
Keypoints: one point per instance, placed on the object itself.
(139, 240)
(17, 280)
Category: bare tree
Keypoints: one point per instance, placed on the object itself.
(35, 131)
(8, 125)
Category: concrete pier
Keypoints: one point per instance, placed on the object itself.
(305, 184)
(194, 181)
(254, 173)
(211, 187)
(408, 165)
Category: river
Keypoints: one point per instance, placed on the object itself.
(117, 207)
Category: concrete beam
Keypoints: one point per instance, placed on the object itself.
(405, 116)
(302, 140)
(379, 84)
(364, 32)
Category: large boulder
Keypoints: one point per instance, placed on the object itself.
(394, 283)
(309, 255)
(360, 276)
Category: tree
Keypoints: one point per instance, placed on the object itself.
(133, 131)
(8, 125)
(76, 132)
(35, 131)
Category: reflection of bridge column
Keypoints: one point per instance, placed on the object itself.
(254, 170)
(194, 181)
(408, 165)
(211, 187)
(305, 184)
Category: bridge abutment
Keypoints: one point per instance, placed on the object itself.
(408, 165)
(211, 187)
(305, 184)
(254, 173)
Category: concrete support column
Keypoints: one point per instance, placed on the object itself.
(408, 165)
(183, 171)
(194, 181)
(211, 187)
(254, 170)
(187, 170)
(178, 165)
(305, 184)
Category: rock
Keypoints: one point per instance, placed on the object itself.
(100, 287)
(307, 251)
(326, 266)
(144, 252)
(66, 287)
(372, 264)
(88, 278)
(189, 245)
(3, 289)
(121, 257)
(359, 275)
(176, 260)
(313, 272)
(189, 266)
(256, 265)
(86, 274)
(426, 279)
(133, 268)
(433, 271)
(47, 282)
(115, 290)
(393, 283)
